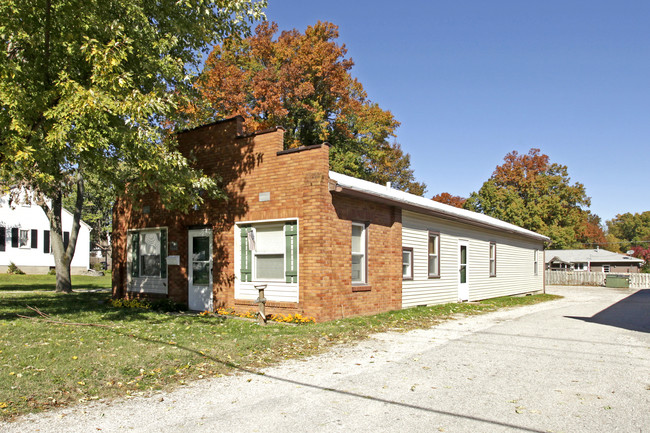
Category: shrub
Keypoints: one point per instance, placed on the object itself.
(51, 271)
(130, 303)
(166, 305)
(13, 269)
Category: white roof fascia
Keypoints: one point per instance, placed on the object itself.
(424, 205)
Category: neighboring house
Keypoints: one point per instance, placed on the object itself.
(591, 261)
(320, 243)
(25, 239)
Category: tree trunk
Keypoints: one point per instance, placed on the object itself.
(63, 254)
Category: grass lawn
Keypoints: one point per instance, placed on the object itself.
(48, 282)
(45, 365)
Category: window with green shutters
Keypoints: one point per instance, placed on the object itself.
(148, 253)
(269, 252)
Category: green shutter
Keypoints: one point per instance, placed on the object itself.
(246, 256)
(135, 254)
(163, 253)
(291, 234)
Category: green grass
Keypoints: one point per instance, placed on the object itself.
(45, 365)
(48, 282)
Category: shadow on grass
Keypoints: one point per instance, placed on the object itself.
(71, 305)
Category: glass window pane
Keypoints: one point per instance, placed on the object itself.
(433, 265)
(406, 264)
(433, 244)
(357, 241)
(463, 274)
(357, 268)
(201, 273)
(269, 266)
(269, 238)
(150, 243)
(150, 265)
(201, 248)
(24, 238)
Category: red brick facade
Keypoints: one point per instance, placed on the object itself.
(298, 183)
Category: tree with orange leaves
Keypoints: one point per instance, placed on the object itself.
(533, 193)
(452, 200)
(592, 233)
(302, 82)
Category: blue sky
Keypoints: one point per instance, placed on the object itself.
(473, 80)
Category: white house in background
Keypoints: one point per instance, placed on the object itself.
(592, 260)
(25, 239)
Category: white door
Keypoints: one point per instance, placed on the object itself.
(463, 271)
(199, 281)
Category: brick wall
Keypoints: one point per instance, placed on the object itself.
(297, 181)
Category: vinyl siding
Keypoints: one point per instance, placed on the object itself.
(514, 264)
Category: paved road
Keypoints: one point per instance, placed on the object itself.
(580, 364)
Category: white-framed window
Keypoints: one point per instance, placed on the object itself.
(407, 263)
(535, 261)
(434, 255)
(148, 254)
(268, 252)
(606, 268)
(23, 239)
(358, 253)
(493, 259)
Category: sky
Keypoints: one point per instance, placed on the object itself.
(472, 80)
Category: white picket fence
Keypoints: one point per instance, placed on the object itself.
(567, 278)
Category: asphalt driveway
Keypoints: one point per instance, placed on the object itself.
(580, 364)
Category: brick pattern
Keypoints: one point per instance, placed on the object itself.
(298, 185)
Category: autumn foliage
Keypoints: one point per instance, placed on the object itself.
(531, 192)
(302, 82)
(452, 200)
(643, 254)
(591, 232)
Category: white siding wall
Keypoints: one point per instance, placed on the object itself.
(33, 218)
(515, 262)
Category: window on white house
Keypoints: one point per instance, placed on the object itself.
(535, 260)
(23, 239)
(407, 263)
(434, 255)
(269, 250)
(358, 253)
(606, 268)
(493, 259)
(149, 255)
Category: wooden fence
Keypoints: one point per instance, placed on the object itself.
(564, 278)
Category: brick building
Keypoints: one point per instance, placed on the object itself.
(321, 244)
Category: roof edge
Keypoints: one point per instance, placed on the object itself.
(368, 190)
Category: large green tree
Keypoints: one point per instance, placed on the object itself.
(629, 230)
(302, 82)
(85, 87)
(533, 193)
